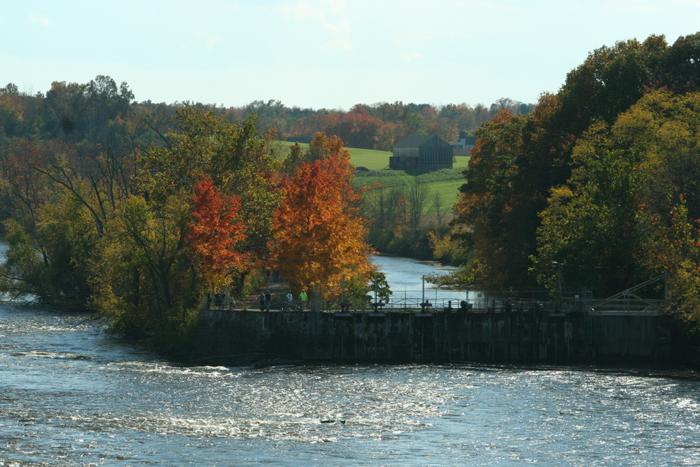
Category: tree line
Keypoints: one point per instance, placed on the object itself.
(87, 112)
(376, 126)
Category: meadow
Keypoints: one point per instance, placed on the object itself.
(444, 182)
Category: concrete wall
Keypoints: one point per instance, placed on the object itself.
(529, 337)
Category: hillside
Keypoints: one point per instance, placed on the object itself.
(444, 182)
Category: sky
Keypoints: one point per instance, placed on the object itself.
(323, 53)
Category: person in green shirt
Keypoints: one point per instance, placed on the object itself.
(303, 298)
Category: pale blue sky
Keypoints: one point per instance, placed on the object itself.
(323, 53)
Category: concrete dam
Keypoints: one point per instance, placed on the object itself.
(521, 337)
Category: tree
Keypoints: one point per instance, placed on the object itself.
(323, 147)
(319, 238)
(233, 155)
(607, 225)
(52, 260)
(357, 128)
(215, 232)
(485, 206)
(417, 196)
(674, 249)
(682, 64)
(144, 276)
(503, 196)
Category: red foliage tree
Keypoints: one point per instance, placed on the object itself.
(215, 232)
(356, 128)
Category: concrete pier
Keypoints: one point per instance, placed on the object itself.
(522, 337)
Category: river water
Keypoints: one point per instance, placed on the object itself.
(71, 394)
(405, 279)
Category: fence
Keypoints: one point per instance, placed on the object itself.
(474, 301)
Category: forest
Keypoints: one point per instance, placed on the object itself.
(598, 188)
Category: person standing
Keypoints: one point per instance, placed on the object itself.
(268, 300)
(289, 299)
(261, 301)
(303, 298)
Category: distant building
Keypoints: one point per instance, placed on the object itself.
(300, 139)
(464, 145)
(421, 153)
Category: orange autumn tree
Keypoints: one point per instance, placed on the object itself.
(319, 238)
(214, 234)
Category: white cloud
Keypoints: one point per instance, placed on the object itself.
(340, 36)
(326, 14)
(343, 27)
(212, 42)
(40, 20)
(337, 4)
(411, 56)
(343, 45)
(302, 11)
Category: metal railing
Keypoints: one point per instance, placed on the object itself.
(627, 305)
(440, 300)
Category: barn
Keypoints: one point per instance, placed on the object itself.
(421, 153)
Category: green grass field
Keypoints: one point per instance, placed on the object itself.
(444, 182)
(371, 159)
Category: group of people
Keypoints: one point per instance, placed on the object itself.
(221, 301)
(265, 300)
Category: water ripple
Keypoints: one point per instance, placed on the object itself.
(79, 397)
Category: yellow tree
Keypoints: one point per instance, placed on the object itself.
(319, 241)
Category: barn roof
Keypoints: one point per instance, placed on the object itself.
(414, 141)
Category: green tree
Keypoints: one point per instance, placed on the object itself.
(501, 201)
(417, 196)
(609, 220)
(233, 155)
(486, 202)
(145, 278)
(52, 262)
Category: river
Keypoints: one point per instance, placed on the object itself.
(405, 279)
(71, 394)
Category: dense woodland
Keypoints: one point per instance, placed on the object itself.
(599, 187)
(139, 210)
